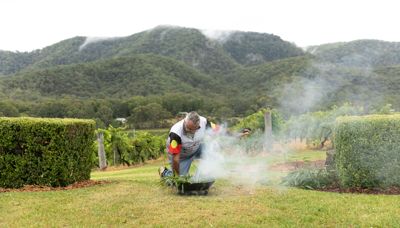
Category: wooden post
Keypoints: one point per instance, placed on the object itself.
(268, 131)
(101, 152)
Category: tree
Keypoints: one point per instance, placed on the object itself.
(153, 113)
(8, 109)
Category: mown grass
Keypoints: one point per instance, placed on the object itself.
(134, 198)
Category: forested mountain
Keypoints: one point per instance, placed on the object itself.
(250, 48)
(113, 78)
(359, 53)
(166, 70)
(188, 45)
(11, 62)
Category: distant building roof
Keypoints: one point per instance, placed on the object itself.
(123, 120)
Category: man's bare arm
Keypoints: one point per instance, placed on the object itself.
(175, 163)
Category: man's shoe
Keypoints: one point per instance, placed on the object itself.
(161, 171)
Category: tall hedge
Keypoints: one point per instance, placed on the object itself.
(53, 152)
(368, 150)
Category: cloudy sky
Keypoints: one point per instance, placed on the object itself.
(33, 24)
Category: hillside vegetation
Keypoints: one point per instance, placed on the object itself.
(174, 69)
(114, 78)
(359, 53)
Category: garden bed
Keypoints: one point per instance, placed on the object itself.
(37, 188)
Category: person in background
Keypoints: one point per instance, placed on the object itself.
(245, 132)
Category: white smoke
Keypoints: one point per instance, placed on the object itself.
(303, 94)
(327, 82)
(225, 156)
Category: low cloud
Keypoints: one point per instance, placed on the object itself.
(90, 40)
(220, 36)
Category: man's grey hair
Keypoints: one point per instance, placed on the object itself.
(194, 117)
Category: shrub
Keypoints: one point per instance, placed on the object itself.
(317, 127)
(54, 152)
(147, 146)
(310, 178)
(368, 150)
(129, 148)
(256, 121)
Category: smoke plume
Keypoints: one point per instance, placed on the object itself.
(226, 156)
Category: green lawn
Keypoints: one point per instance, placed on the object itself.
(134, 198)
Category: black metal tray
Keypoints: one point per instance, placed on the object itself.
(200, 188)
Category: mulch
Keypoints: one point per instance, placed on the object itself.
(376, 191)
(38, 188)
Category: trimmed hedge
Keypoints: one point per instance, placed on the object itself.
(53, 152)
(368, 151)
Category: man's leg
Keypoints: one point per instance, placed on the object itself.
(184, 165)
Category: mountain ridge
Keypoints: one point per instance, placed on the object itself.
(184, 44)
